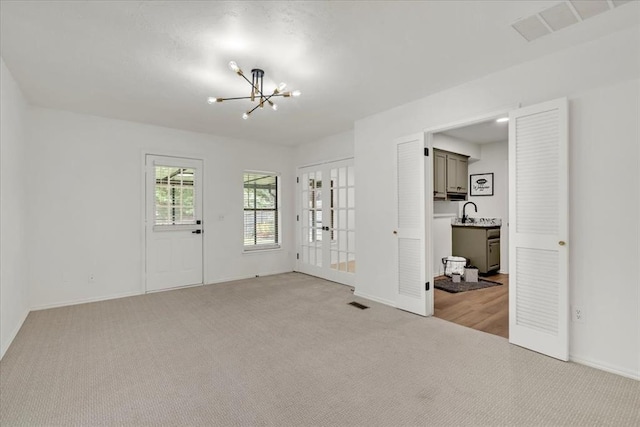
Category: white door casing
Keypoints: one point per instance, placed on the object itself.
(538, 229)
(410, 258)
(173, 222)
(326, 221)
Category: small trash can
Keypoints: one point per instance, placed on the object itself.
(454, 264)
(471, 274)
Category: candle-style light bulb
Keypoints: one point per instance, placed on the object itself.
(245, 116)
(234, 66)
(212, 100)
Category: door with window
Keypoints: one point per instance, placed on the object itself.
(326, 221)
(173, 222)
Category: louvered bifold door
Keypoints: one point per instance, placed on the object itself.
(410, 224)
(538, 216)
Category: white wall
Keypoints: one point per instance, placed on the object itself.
(455, 145)
(494, 157)
(604, 169)
(334, 147)
(14, 303)
(86, 191)
(601, 80)
(442, 241)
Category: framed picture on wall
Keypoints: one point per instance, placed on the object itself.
(481, 184)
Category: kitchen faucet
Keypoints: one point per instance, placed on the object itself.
(464, 208)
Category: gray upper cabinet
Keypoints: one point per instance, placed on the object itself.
(450, 175)
(439, 175)
(462, 170)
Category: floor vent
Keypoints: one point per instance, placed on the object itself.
(358, 305)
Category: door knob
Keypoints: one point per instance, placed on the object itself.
(197, 231)
(395, 232)
(561, 243)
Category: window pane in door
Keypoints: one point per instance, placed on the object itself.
(174, 201)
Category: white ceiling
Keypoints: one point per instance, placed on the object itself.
(481, 133)
(157, 62)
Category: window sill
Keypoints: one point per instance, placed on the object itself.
(261, 250)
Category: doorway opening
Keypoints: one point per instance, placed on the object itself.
(470, 181)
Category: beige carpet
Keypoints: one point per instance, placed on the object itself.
(287, 350)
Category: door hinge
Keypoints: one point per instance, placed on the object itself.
(426, 151)
(426, 287)
(297, 179)
(297, 217)
(297, 256)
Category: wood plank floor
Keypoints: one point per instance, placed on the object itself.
(484, 309)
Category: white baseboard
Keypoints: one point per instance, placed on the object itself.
(244, 277)
(85, 300)
(376, 299)
(606, 367)
(13, 334)
(134, 293)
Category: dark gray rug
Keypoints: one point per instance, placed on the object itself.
(446, 284)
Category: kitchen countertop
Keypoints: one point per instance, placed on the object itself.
(477, 222)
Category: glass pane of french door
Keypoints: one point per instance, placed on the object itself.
(311, 218)
(342, 219)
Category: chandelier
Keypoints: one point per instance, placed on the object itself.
(257, 91)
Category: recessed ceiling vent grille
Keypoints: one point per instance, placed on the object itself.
(561, 16)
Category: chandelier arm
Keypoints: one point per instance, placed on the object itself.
(248, 97)
(253, 109)
(245, 77)
(232, 99)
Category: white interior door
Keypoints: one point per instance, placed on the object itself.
(327, 221)
(410, 231)
(173, 218)
(538, 215)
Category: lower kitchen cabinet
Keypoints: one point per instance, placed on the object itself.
(480, 245)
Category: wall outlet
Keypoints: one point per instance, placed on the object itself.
(577, 314)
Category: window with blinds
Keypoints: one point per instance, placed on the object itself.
(174, 196)
(261, 211)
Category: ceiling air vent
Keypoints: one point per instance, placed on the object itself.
(561, 16)
(587, 9)
(531, 28)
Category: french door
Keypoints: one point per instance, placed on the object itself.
(326, 221)
(538, 229)
(173, 222)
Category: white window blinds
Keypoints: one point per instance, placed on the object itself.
(261, 211)
(174, 201)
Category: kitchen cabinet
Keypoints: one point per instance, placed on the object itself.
(450, 175)
(480, 245)
(457, 170)
(439, 175)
